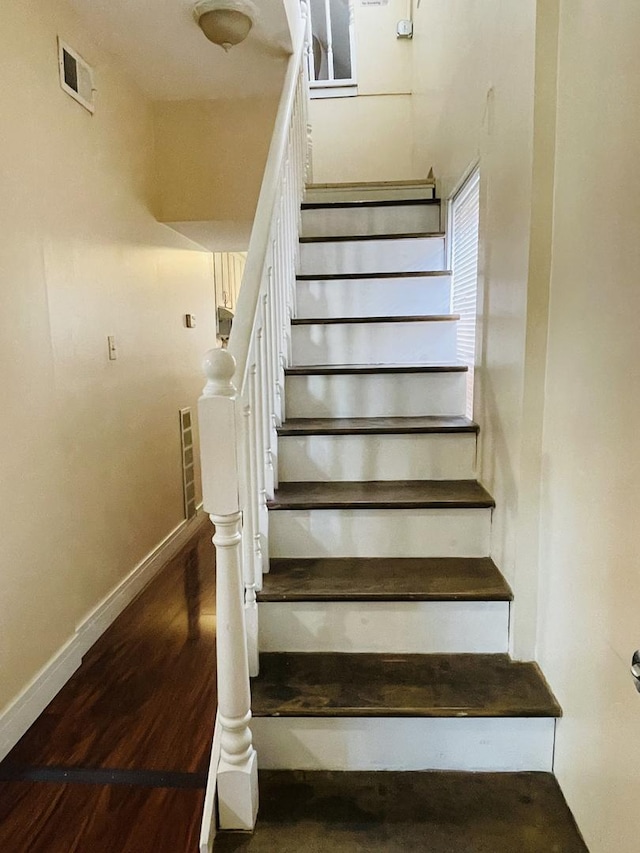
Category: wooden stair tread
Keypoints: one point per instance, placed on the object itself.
(390, 318)
(359, 203)
(382, 494)
(331, 684)
(346, 238)
(384, 579)
(399, 811)
(411, 182)
(340, 369)
(377, 426)
(354, 276)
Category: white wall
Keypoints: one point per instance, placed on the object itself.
(474, 63)
(90, 476)
(211, 157)
(590, 545)
(368, 137)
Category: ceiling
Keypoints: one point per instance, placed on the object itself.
(162, 48)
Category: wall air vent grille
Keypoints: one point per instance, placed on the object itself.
(76, 76)
(188, 468)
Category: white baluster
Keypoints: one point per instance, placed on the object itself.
(250, 572)
(238, 771)
(327, 17)
(261, 514)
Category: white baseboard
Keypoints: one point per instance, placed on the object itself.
(25, 709)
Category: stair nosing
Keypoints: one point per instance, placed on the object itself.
(292, 579)
(373, 428)
(354, 276)
(400, 318)
(549, 708)
(363, 369)
(360, 203)
(345, 238)
(282, 499)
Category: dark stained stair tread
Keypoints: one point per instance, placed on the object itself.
(345, 238)
(359, 203)
(328, 684)
(364, 426)
(382, 494)
(385, 579)
(395, 812)
(340, 369)
(354, 276)
(410, 318)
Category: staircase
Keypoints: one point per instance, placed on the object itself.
(383, 622)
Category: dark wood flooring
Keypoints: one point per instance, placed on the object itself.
(120, 755)
(318, 812)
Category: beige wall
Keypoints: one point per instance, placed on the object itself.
(369, 138)
(90, 477)
(590, 545)
(474, 63)
(211, 157)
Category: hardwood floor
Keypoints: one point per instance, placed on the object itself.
(120, 755)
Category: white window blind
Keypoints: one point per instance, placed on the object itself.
(465, 215)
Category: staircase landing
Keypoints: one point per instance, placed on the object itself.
(401, 812)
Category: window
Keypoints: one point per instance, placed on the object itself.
(464, 226)
(331, 59)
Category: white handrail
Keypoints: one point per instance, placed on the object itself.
(243, 324)
(240, 409)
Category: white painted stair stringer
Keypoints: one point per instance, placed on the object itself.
(489, 744)
(415, 456)
(399, 627)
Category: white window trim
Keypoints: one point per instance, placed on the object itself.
(345, 88)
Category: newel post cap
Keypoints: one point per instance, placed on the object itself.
(219, 366)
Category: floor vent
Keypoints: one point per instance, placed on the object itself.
(188, 469)
(76, 76)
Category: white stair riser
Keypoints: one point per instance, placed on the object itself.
(367, 743)
(420, 627)
(349, 221)
(358, 256)
(423, 456)
(432, 342)
(380, 533)
(373, 395)
(372, 192)
(375, 297)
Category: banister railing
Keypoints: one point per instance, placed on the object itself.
(241, 407)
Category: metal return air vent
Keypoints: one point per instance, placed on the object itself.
(188, 470)
(76, 76)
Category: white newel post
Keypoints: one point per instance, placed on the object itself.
(219, 449)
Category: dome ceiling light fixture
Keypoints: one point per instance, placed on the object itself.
(225, 22)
